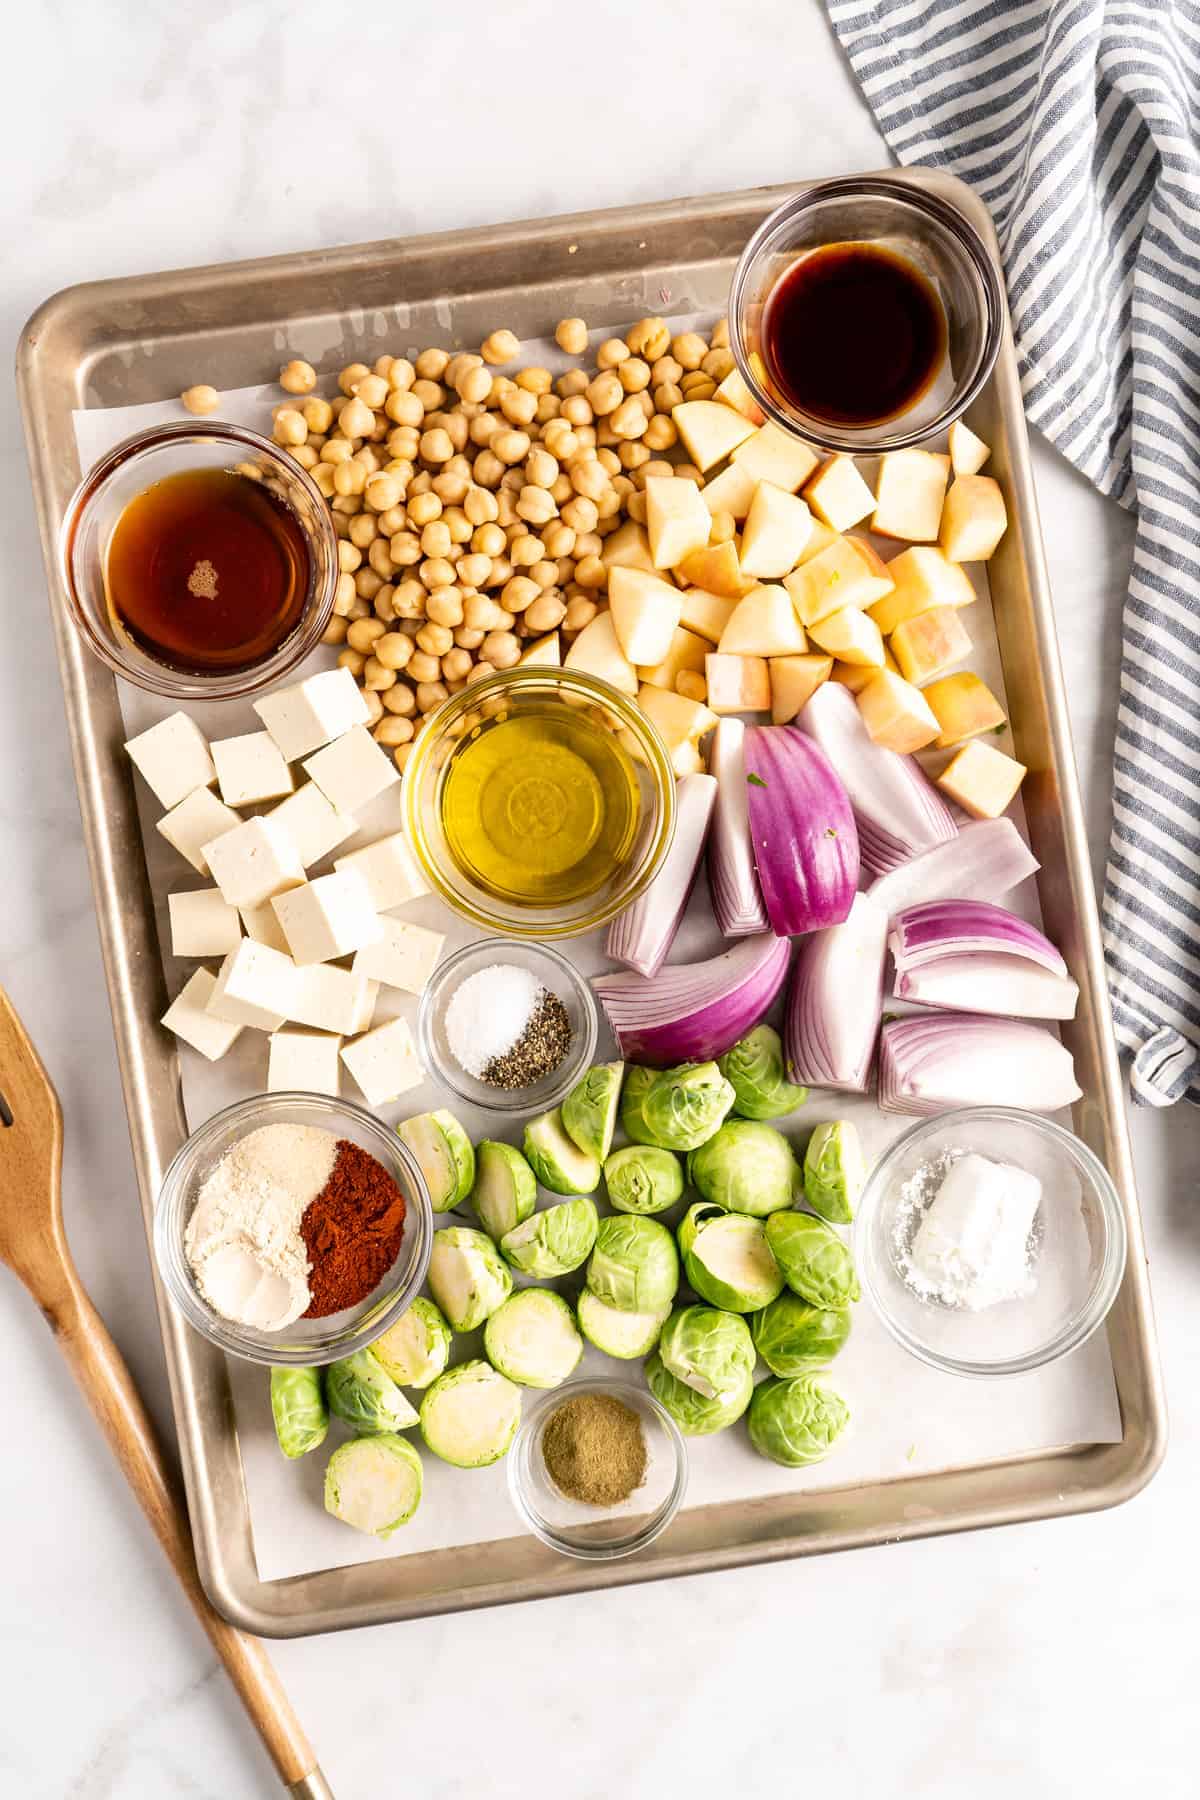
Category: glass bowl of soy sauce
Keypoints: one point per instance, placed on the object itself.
(199, 561)
(865, 314)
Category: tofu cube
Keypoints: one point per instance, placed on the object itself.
(262, 925)
(384, 1062)
(838, 494)
(326, 918)
(404, 956)
(332, 999)
(203, 923)
(172, 758)
(973, 519)
(364, 1017)
(255, 986)
(737, 683)
(313, 712)
(189, 1018)
(305, 1062)
(196, 822)
(250, 768)
(982, 779)
(313, 825)
(254, 862)
(352, 770)
(909, 494)
(390, 870)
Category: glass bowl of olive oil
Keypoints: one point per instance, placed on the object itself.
(540, 802)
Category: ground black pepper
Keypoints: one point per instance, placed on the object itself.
(538, 1051)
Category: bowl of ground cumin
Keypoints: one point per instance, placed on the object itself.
(598, 1469)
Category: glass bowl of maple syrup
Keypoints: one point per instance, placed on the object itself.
(199, 561)
(865, 314)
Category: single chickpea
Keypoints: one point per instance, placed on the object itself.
(387, 523)
(689, 349)
(535, 380)
(571, 335)
(467, 637)
(403, 407)
(590, 572)
(605, 393)
(347, 504)
(666, 372)
(571, 384)
(404, 442)
(474, 569)
(667, 396)
(456, 664)
(404, 548)
(335, 631)
(500, 347)
(649, 338)
(401, 374)
(628, 421)
(368, 458)
(510, 446)
(546, 613)
(559, 440)
(487, 468)
(723, 528)
(394, 650)
(401, 755)
(506, 502)
(588, 543)
(352, 660)
(431, 364)
(361, 609)
(322, 476)
(479, 505)
(436, 572)
(400, 699)
(297, 377)
(489, 540)
(558, 539)
(518, 406)
(445, 607)
(480, 672)
(382, 603)
(635, 506)
(290, 427)
(525, 550)
(634, 374)
(548, 407)
(588, 477)
(431, 394)
(577, 410)
(612, 351)
(437, 446)
(356, 419)
(579, 612)
(430, 694)
(633, 454)
(350, 377)
(541, 468)
(502, 649)
(435, 639)
(392, 732)
(372, 701)
(423, 667)
(349, 477)
(479, 613)
(696, 385)
(344, 594)
(660, 433)
(719, 335)
(581, 514)
(421, 483)
(423, 509)
(305, 455)
(408, 600)
(380, 559)
(518, 593)
(436, 539)
(458, 525)
(474, 385)
(367, 583)
(382, 491)
(718, 364)
(587, 436)
(544, 572)
(375, 676)
(608, 506)
(200, 399)
(451, 484)
(372, 390)
(536, 505)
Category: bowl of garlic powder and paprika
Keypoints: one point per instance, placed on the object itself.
(293, 1229)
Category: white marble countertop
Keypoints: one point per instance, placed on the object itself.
(1060, 1658)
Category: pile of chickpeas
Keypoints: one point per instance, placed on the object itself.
(472, 506)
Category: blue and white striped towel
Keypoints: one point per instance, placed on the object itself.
(1076, 121)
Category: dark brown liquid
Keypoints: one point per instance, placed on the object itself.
(207, 571)
(853, 333)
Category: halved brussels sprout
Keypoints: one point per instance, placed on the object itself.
(708, 1350)
(505, 1190)
(470, 1415)
(416, 1349)
(755, 1070)
(556, 1159)
(635, 1265)
(443, 1151)
(364, 1396)
(374, 1483)
(298, 1409)
(636, 1086)
(682, 1107)
(589, 1112)
(623, 1334)
(694, 1415)
(467, 1276)
(834, 1171)
(815, 1262)
(643, 1179)
(793, 1337)
(532, 1339)
(746, 1167)
(727, 1258)
(796, 1422)
(553, 1242)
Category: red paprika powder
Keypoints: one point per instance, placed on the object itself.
(352, 1231)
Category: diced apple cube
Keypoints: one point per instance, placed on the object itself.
(597, 652)
(677, 719)
(705, 613)
(968, 453)
(677, 520)
(964, 706)
(794, 680)
(687, 651)
(909, 492)
(710, 431)
(777, 456)
(820, 538)
(851, 635)
(687, 759)
(628, 547)
(716, 568)
(731, 491)
(645, 612)
(896, 714)
(982, 779)
(847, 573)
(838, 494)
(764, 624)
(777, 528)
(737, 683)
(855, 676)
(924, 578)
(543, 650)
(973, 520)
(734, 392)
(930, 644)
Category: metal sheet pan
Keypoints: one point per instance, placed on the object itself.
(121, 342)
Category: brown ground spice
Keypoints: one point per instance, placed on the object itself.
(352, 1231)
(595, 1449)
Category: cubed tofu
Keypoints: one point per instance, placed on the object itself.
(251, 768)
(923, 578)
(964, 706)
(677, 719)
(313, 712)
(172, 758)
(931, 644)
(390, 870)
(189, 1018)
(304, 1062)
(313, 825)
(704, 613)
(973, 519)
(677, 520)
(384, 1062)
(256, 986)
(732, 391)
(982, 779)
(332, 999)
(764, 624)
(909, 492)
(364, 1016)
(777, 528)
(196, 821)
(838, 494)
(327, 918)
(628, 547)
(737, 683)
(262, 925)
(731, 491)
(716, 569)
(687, 652)
(544, 652)
(203, 923)
(597, 652)
(404, 956)
(846, 573)
(254, 862)
(776, 456)
(352, 771)
(968, 453)
(710, 431)
(794, 681)
(850, 635)
(645, 612)
(896, 714)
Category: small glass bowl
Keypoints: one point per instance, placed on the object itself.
(512, 691)
(1079, 1246)
(307, 1341)
(127, 471)
(596, 1533)
(556, 975)
(929, 233)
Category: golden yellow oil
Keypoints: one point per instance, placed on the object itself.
(540, 805)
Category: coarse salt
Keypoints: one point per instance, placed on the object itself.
(488, 1013)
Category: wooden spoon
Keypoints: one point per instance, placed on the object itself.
(34, 1245)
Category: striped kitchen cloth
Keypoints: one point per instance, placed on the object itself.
(1076, 121)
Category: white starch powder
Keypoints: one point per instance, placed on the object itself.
(971, 1245)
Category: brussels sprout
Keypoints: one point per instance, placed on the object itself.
(793, 1337)
(470, 1415)
(468, 1277)
(834, 1171)
(746, 1167)
(682, 1107)
(532, 1339)
(637, 1085)
(643, 1179)
(695, 1415)
(416, 1349)
(364, 1396)
(556, 1160)
(796, 1422)
(589, 1112)
(635, 1265)
(708, 1350)
(552, 1242)
(624, 1334)
(754, 1069)
(815, 1262)
(374, 1483)
(727, 1258)
(443, 1152)
(505, 1190)
(298, 1409)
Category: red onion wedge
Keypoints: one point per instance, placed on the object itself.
(940, 928)
(696, 1013)
(986, 859)
(736, 896)
(802, 829)
(645, 931)
(835, 999)
(931, 1065)
(1009, 987)
(898, 809)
